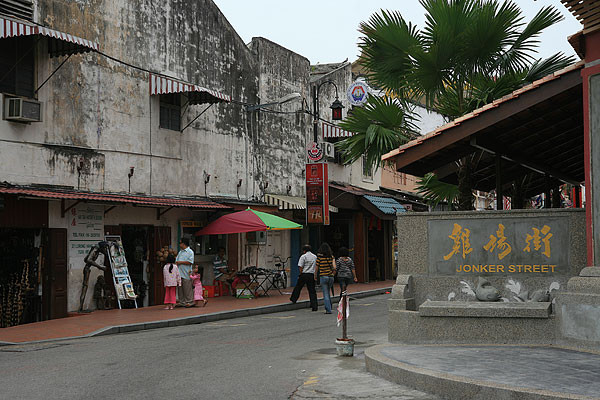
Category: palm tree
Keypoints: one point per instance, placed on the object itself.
(381, 125)
(469, 53)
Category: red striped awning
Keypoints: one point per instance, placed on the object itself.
(60, 43)
(332, 131)
(113, 198)
(197, 94)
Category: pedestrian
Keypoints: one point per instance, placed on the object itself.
(346, 273)
(172, 280)
(326, 271)
(197, 282)
(222, 271)
(306, 265)
(185, 260)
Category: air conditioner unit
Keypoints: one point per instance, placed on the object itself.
(259, 237)
(22, 110)
(328, 149)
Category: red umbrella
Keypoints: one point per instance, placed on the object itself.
(247, 221)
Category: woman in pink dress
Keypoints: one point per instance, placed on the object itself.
(172, 279)
(197, 282)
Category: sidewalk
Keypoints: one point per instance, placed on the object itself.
(489, 371)
(128, 320)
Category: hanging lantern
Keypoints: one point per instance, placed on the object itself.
(336, 110)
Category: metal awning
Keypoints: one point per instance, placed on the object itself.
(59, 43)
(196, 94)
(331, 131)
(290, 202)
(355, 198)
(386, 205)
(382, 207)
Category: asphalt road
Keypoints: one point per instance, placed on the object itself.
(273, 356)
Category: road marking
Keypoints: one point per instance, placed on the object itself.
(311, 381)
(274, 317)
(366, 304)
(225, 324)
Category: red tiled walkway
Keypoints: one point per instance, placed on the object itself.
(83, 324)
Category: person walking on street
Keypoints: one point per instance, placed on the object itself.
(172, 281)
(185, 260)
(306, 264)
(326, 271)
(346, 272)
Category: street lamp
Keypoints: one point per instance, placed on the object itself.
(336, 110)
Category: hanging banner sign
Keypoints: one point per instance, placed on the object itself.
(314, 151)
(357, 93)
(317, 194)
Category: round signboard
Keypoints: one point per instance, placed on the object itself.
(357, 93)
(314, 151)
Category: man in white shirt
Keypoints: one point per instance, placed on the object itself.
(185, 261)
(306, 264)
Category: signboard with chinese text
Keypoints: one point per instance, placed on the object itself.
(490, 246)
(317, 194)
(86, 229)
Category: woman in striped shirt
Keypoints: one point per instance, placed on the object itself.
(326, 271)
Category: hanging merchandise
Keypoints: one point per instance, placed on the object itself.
(120, 272)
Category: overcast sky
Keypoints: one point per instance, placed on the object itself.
(325, 31)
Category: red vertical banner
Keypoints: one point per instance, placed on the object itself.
(317, 193)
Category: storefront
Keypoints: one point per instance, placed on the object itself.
(33, 270)
(363, 224)
(49, 233)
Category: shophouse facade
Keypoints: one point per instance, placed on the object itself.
(144, 125)
(143, 132)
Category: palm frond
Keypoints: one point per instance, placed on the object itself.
(381, 126)
(435, 191)
(541, 68)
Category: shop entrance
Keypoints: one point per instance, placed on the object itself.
(137, 240)
(33, 275)
(146, 239)
(337, 235)
(19, 276)
(379, 260)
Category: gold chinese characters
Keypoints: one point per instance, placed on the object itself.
(498, 243)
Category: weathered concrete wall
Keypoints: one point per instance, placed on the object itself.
(282, 136)
(413, 257)
(101, 112)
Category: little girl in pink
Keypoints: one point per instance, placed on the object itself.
(197, 282)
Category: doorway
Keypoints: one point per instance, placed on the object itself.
(376, 250)
(137, 240)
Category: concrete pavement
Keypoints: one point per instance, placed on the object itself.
(266, 357)
(129, 320)
(490, 371)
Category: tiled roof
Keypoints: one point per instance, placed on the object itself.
(483, 109)
(156, 201)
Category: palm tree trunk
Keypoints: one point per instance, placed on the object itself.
(465, 186)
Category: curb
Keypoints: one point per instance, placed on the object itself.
(450, 386)
(200, 319)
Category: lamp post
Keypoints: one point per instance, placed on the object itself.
(336, 108)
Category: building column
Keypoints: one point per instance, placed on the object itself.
(591, 127)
